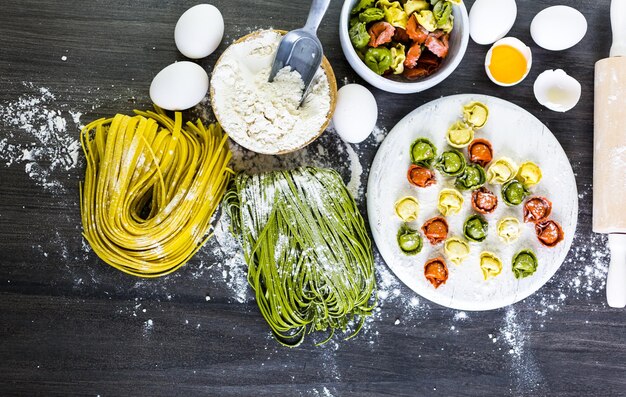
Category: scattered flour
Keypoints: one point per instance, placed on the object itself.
(356, 170)
(39, 138)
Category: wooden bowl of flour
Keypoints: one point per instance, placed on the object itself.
(253, 137)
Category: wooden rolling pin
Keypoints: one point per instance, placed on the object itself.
(609, 163)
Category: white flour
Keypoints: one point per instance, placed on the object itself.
(261, 116)
(37, 135)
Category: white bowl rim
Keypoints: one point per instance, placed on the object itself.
(398, 87)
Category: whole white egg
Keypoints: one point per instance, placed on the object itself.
(179, 86)
(491, 20)
(356, 113)
(558, 28)
(199, 31)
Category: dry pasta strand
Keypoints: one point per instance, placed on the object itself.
(151, 188)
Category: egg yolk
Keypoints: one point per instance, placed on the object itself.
(508, 65)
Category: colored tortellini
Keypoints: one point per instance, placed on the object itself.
(501, 171)
(524, 264)
(436, 230)
(537, 209)
(490, 264)
(480, 152)
(426, 18)
(378, 59)
(359, 36)
(394, 13)
(508, 229)
(362, 5)
(451, 163)
(475, 228)
(460, 135)
(407, 208)
(436, 271)
(514, 192)
(412, 6)
(450, 202)
(529, 173)
(420, 176)
(371, 15)
(549, 233)
(398, 56)
(423, 152)
(442, 10)
(409, 240)
(476, 114)
(473, 177)
(484, 201)
(456, 250)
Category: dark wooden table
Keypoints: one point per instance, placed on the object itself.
(71, 325)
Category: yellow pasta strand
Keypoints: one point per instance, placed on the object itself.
(151, 187)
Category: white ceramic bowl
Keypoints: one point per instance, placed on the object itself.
(459, 38)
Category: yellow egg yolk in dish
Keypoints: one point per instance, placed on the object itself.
(508, 65)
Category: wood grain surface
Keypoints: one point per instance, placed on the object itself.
(71, 325)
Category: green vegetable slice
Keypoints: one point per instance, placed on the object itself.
(309, 257)
(409, 240)
(359, 36)
(451, 163)
(423, 152)
(524, 264)
(378, 59)
(472, 178)
(514, 192)
(475, 228)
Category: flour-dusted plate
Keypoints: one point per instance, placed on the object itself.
(515, 134)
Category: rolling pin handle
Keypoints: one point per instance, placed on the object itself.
(616, 279)
(618, 23)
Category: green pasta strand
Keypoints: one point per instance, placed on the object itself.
(309, 256)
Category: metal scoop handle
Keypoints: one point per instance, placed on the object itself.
(316, 14)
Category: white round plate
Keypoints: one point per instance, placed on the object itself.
(515, 134)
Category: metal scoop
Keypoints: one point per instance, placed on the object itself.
(301, 49)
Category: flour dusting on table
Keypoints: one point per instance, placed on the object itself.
(40, 136)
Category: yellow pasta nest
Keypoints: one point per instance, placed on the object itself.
(151, 187)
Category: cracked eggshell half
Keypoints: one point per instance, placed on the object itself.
(556, 90)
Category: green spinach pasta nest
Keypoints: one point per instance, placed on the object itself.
(309, 257)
